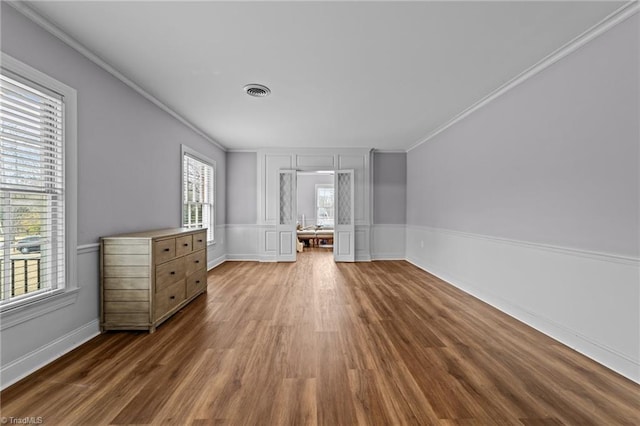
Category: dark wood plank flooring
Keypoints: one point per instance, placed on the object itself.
(316, 342)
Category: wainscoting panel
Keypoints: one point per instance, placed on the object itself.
(388, 242)
(588, 301)
(72, 319)
(242, 242)
(324, 161)
(362, 243)
(269, 162)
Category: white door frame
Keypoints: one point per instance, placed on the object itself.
(344, 229)
(286, 229)
(286, 235)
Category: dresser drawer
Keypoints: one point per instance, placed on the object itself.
(196, 261)
(184, 245)
(127, 320)
(139, 306)
(199, 241)
(169, 298)
(146, 276)
(196, 283)
(169, 273)
(164, 250)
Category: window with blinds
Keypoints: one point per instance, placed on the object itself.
(324, 205)
(32, 196)
(197, 194)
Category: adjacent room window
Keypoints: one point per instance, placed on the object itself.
(198, 194)
(33, 185)
(324, 205)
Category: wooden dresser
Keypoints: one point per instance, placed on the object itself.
(145, 277)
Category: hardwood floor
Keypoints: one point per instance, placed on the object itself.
(316, 342)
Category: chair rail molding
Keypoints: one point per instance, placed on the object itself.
(588, 301)
(269, 162)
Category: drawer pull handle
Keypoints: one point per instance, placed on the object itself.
(197, 261)
(199, 241)
(172, 297)
(166, 249)
(186, 244)
(197, 281)
(173, 272)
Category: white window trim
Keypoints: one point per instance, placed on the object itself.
(27, 308)
(323, 186)
(203, 158)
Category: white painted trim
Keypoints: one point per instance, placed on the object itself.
(73, 43)
(36, 308)
(388, 151)
(232, 150)
(186, 151)
(615, 18)
(89, 248)
(386, 256)
(216, 262)
(584, 300)
(27, 364)
(556, 331)
(605, 257)
(70, 167)
(243, 258)
(293, 151)
(388, 241)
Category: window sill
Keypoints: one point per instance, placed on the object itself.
(13, 315)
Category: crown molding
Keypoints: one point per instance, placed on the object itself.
(590, 254)
(389, 151)
(31, 14)
(615, 18)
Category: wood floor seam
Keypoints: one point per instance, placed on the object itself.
(322, 343)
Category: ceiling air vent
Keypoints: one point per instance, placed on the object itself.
(257, 90)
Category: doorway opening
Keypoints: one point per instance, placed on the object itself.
(315, 210)
(333, 206)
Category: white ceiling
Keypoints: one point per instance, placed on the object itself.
(382, 75)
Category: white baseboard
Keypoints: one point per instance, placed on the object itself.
(243, 258)
(242, 241)
(587, 301)
(29, 363)
(216, 262)
(388, 242)
(388, 256)
(362, 257)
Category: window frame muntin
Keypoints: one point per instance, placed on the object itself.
(14, 311)
(324, 186)
(185, 150)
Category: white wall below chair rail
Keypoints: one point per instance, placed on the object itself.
(388, 242)
(26, 344)
(588, 301)
(20, 368)
(242, 242)
(216, 253)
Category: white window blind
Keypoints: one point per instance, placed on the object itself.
(324, 205)
(32, 197)
(198, 195)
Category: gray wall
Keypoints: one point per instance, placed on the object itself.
(554, 160)
(389, 188)
(128, 170)
(531, 203)
(242, 188)
(307, 195)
